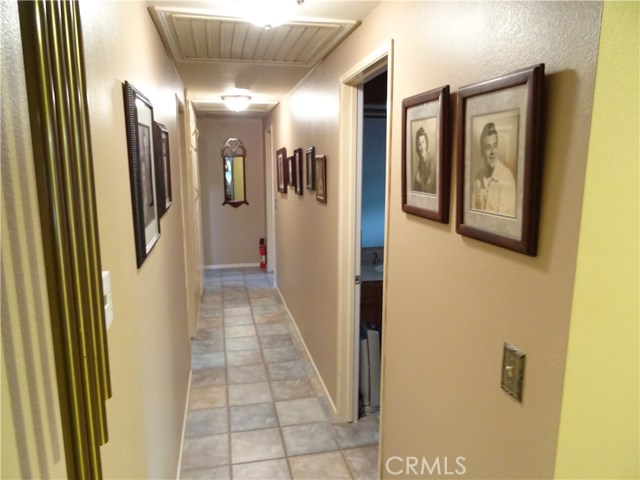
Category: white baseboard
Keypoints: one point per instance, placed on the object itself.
(306, 349)
(184, 424)
(231, 265)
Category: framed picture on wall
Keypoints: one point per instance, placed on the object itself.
(321, 178)
(311, 171)
(163, 167)
(291, 174)
(499, 160)
(299, 169)
(282, 167)
(426, 163)
(140, 145)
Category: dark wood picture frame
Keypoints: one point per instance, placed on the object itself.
(310, 155)
(163, 167)
(321, 178)
(140, 146)
(281, 169)
(500, 135)
(426, 176)
(291, 171)
(299, 171)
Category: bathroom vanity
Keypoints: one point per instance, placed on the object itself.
(371, 271)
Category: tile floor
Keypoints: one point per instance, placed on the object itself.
(256, 408)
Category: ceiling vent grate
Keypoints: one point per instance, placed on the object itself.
(192, 37)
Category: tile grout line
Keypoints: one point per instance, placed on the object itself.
(226, 374)
(268, 376)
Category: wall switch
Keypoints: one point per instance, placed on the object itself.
(512, 371)
(106, 298)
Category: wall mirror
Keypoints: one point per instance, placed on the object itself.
(233, 154)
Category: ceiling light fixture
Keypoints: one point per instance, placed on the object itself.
(236, 103)
(269, 14)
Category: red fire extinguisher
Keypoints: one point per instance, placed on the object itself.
(263, 254)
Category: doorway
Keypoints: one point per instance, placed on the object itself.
(349, 243)
(370, 224)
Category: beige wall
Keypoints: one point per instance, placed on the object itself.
(453, 301)
(148, 341)
(231, 235)
(306, 230)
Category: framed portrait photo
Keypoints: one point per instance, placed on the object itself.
(311, 171)
(321, 178)
(140, 146)
(282, 169)
(426, 163)
(299, 169)
(163, 167)
(499, 160)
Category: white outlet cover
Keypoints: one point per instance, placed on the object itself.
(106, 297)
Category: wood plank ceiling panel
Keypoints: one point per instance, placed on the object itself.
(199, 37)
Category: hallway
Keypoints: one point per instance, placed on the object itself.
(256, 408)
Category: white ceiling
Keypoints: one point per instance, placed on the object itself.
(218, 51)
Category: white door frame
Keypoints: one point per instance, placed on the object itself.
(348, 331)
(187, 225)
(270, 181)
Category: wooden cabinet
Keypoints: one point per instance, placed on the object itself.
(371, 304)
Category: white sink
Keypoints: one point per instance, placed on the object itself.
(379, 268)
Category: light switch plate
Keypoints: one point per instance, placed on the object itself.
(106, 298)
(512, 371)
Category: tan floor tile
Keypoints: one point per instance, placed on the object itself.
(215, 473)
(363, 462)
(286, 370)
(244, 357)
(305, 410)
(269, 469)
(240, 331)
(201, 423)
(241, 343)
(207, 397)
(358, 434)
(246, 374)
(256, 445)
(291, 389)
(208, 376)
(308, 438)
(239, 320)
(202, 452)
(248, 393)
(287, 353)
(243, 418)
(325, 466)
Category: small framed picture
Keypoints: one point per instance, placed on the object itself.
(140, 146)
(291, 174)
(299, 169)
(311, 171)
(426, 163)
(282, 169)
(321, 178)
(163, 167)
(499, 162)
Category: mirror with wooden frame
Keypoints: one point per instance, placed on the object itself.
(233, 154)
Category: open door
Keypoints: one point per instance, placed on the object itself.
(348, 225)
